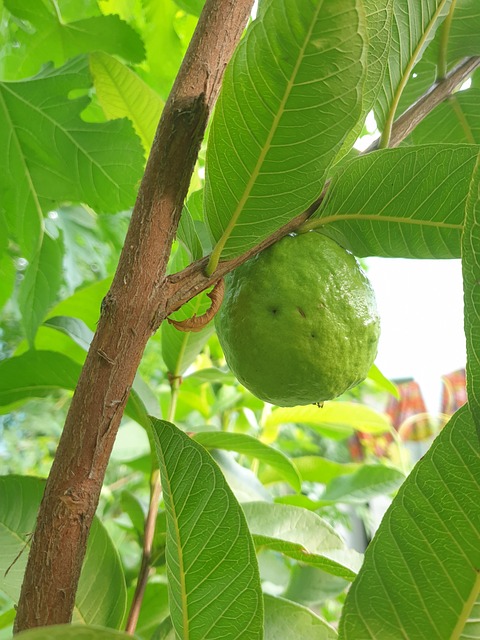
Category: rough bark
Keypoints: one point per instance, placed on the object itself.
(130, 312)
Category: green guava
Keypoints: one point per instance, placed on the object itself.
(299, 323)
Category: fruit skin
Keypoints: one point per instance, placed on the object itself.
(299, 323)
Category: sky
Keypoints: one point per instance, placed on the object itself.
(421, 310)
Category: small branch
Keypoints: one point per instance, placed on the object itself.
(148, 535)
(192, 280)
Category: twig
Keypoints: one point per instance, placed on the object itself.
(145, 567)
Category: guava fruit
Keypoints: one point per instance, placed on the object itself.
(299, 323)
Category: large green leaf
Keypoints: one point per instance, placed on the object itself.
(36, 374)
(214, 585)
(471, 287)
(123, 94)
(164, 47)
(456, 120)
(40, 285)
(406, 202)
(302, 535)
(74, 632)
(101, 595)
(50, 155)
(368, 481)
(414, 25)
(313, 469)
(50, 37)
(84, 304)
(290, 621)
(420, 577)
(253, 448)
(290, 96)
(335, 419)
(7, 277)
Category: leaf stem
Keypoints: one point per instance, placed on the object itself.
(443, 50)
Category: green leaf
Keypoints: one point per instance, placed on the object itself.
(429, 539)
(36, 374)
(311, 586)
(290, 621)
(75, 328)
(40, 285)
(154, 610)
(366, 482)
(406, 202)
(84, 304)
(281, 118)
(74, 632)
(214, 585)
(188, 235)
(51, 38)
(456, 120)
(102, 571)
(191, 6)
(122, 93)
(383, 383)
(413, 27)
(312, 469)
(40, 138)
(7, 277)
(471, 288)
(253, 448)
(302, 535)
(164, 47)
(454, 40)
(335, 419)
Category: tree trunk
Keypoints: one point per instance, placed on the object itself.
(131, 311)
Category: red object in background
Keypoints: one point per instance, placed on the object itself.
(454, 392)
(409, 413)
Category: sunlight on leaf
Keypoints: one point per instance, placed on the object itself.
(214, 586)
(429, 539)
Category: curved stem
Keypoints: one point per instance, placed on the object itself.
(443, 49)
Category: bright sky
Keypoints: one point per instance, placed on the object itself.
(421, 308)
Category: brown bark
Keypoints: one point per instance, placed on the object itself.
(131, 310)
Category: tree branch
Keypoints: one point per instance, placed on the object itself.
(186, 284)
(129, 313)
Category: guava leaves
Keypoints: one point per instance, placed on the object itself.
(42, 133)
(40, 285)
(123, 94)
(420, 572)
(207, 536)
(47, 36)
(471, 288)
(291, 621)
(455, 39)
(290, 96)
(407, 202)
(413, 26)
(456, 121)
(101, 596)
